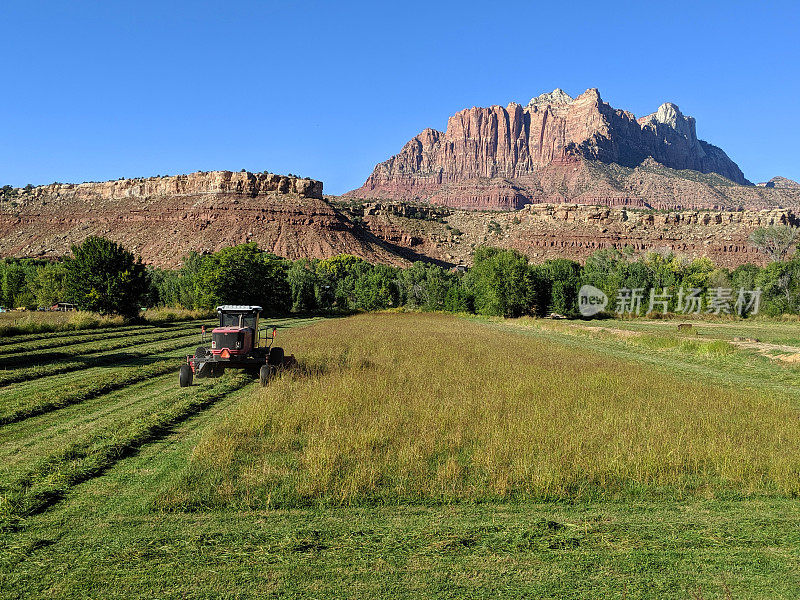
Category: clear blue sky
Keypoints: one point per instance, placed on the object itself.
(101, 90)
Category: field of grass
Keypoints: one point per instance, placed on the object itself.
(437, 409)
(409, 456)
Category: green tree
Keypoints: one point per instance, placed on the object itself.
(243, 275)
(775, 241)
(302, 280)
(426, 286)
(49, 284)
(17, 283)
(563, 276)
(780, 284)
(105, 277)
(375, 288)
(744, 277)
(500, 282)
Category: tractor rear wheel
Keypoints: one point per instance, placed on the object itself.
(185, 376)
(265, 374)
(275, 357)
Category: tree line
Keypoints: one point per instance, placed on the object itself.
(103, 276)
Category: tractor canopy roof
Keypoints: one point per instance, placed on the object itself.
(238, 308)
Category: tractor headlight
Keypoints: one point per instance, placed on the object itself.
(214, 345)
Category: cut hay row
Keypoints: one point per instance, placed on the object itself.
(21, 406)
(186, 343)
(69, 343)
(52, 477)
(26, 359)
(69, 333)
(25, 442)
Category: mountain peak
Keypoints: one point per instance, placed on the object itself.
(780, 182)
(557, 97)
(669, 114)
(554, 131)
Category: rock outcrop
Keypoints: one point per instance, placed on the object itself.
(242, 183)
(553, 149)
(544, 231)
(781, 182)
(163, 218)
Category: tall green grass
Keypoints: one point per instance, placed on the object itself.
(430, 408)
(20, 323)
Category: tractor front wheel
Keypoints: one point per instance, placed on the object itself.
(185, 376)
(265, 374)
(275, 357)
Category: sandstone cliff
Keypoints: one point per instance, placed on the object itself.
(163, 218)
(780, 182)
(544, 231)
(552, 149)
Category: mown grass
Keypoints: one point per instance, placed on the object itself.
(22, 404)
(70, 363)
(709, 550)
(99, 344)
(85, 457)
(775, 331)
(64, 336)
(431, 408)
(653, 335)
(78, 341)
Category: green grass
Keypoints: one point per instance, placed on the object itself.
(29, 323)
(769, 331)
(49, 478)
(63, 337)
(26, 401)
(116, 543)
(398, 409)
(99, 344)
(152, 491)
(75, 343)
(186, 345)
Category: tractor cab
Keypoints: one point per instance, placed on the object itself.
(237, 332)
(237, 343)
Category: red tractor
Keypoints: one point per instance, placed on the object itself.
(237, 343)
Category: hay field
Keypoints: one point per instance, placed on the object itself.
(398, 408)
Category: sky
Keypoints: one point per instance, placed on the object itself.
(101, 90)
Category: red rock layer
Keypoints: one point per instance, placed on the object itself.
(164, 218)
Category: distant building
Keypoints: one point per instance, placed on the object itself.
(63, 306)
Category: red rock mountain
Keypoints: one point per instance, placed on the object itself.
(559, 149)
(163, 218)
(780, 182)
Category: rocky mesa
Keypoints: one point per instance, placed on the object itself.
(163, 218)
(562, 149)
